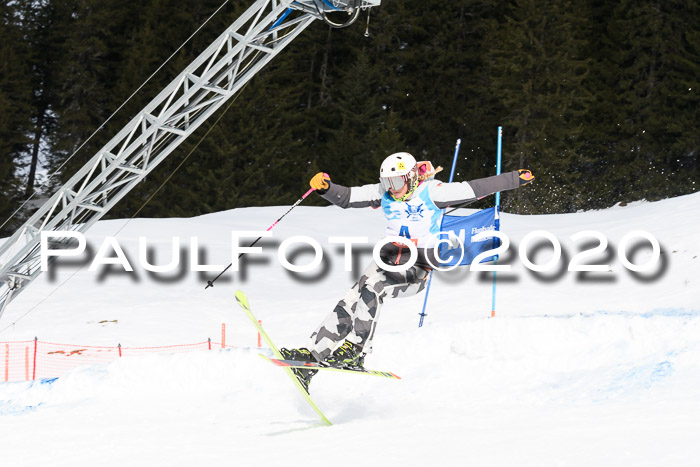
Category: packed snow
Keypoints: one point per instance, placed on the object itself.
(575, 369)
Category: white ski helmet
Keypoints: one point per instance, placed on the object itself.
(398, 170)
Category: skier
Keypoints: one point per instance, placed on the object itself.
(412, 201)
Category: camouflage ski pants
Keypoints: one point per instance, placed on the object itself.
(355, 317)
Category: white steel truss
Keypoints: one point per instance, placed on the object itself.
(203, 87)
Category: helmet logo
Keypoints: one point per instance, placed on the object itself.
(400, 166)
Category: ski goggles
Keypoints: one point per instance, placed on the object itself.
(394, 183)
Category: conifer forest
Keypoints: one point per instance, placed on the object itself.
(599, 98)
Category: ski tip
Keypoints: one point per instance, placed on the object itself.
(242, 299)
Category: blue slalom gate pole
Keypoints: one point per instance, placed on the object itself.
(430, 278)
(497, 215)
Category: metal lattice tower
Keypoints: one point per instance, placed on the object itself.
(200, 90)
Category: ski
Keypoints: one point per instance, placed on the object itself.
(318, 366)
(243, 303)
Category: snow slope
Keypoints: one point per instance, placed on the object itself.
(574, 370)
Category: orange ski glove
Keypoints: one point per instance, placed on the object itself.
(525, 176)
(319, 182)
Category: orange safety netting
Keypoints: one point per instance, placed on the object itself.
(35, 359)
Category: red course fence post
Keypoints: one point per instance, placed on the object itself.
(7, 362)
(120, 349)
(36, 342)
(223, 335)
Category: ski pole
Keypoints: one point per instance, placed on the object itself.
(497, 219)
(211, 282)
(423, 314)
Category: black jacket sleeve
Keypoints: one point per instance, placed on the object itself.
(354, 197)
(451, 194)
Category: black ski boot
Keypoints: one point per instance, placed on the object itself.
(348, 355)
(300, 355)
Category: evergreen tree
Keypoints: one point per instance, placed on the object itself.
(653, 65)
(15, 113)
(97, 32)
(44, 30)
(537, 73)
(430, 54)
(600, 122)
(353, 153)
